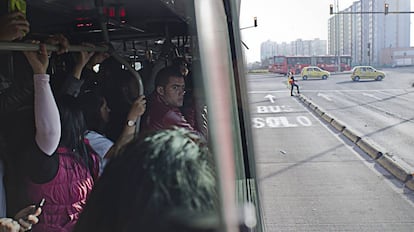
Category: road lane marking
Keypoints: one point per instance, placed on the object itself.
(330, 90)
(326, 97)
(395, 184)
(271, 98)
(397, 96)
(372, 96)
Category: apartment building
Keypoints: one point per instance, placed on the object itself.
(363, 31)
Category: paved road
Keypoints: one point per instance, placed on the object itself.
(381, 112)
(312, 178)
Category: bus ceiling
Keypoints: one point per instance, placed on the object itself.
(133, 27)
(126, 19)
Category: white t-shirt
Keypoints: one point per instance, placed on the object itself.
(101, 145)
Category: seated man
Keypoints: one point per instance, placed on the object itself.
(163, 109)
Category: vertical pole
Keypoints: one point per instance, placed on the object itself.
(338, 62)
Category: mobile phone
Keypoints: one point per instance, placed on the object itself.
(17, 5)
(39, 204)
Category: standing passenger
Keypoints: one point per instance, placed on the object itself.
(96, 112)
(63, 176)
(13, 96)
(121, 90)
(163, 108)
(15, 26)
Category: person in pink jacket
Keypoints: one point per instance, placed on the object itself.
(60, 166)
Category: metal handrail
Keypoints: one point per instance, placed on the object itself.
(21, 46)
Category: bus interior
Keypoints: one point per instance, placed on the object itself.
(146, 35)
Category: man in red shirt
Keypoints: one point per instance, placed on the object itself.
(163, 104)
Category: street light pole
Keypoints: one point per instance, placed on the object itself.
(338, 62)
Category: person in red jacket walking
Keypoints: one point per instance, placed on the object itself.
(293, 84)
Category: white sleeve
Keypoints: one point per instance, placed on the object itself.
(47, 120)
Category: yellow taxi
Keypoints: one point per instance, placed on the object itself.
(366, 72)
(314, 72)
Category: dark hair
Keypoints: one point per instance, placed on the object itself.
(165, 171)
(91, 103)
(164, 74)
(116, 84)
(73, 128)
(178, 61)
(117, 89)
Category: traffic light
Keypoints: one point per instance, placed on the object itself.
(331, 9)
(386, 5)
(255, 21)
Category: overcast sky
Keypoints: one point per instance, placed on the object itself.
(288, 20)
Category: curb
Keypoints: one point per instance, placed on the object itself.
(393, 164)
(410, 183)
(327, 118)
(396, 166)
(369, 148)
(351, 135)
(337, 125)
(318, 111)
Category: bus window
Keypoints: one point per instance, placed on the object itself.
(206, 33)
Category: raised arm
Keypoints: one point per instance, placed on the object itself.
(73, 83)
(127, 135)
(47, 120)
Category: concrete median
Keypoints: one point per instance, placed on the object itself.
(410, 183)
(337, 125)
(396, 166)
(319, 111)
(305, 100)
(351, 135)
(327, 117)
(312, 106)
(368, 147)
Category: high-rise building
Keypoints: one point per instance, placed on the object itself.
(363, 32)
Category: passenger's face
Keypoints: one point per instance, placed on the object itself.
(173, 92)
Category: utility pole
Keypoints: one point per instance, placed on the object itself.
(338, 59)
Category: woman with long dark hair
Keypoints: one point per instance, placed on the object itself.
(97, 115)
(63, 176)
